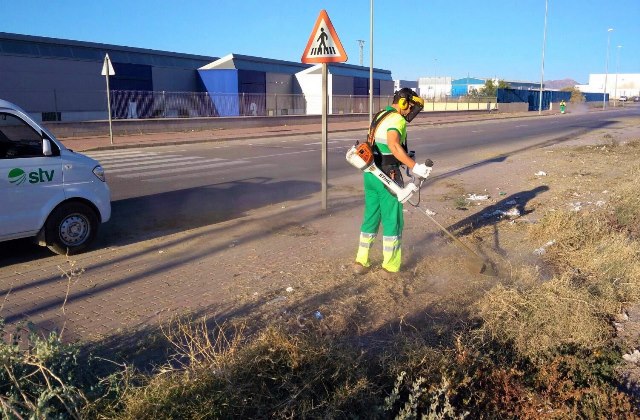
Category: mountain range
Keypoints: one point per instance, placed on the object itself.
(559, 84)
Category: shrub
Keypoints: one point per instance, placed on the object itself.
(37, 374)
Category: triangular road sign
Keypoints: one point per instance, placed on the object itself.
(324, 45)
(107, 68)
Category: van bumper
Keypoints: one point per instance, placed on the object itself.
(103, 203)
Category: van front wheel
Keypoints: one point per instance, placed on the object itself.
(71, 228)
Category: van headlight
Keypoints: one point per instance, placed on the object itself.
(99, 172)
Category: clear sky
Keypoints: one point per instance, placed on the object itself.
(412, 38)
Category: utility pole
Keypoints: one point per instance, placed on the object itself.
(361, 43)
(615, 90)
(606, 74)
(544, 41)
(370, 60)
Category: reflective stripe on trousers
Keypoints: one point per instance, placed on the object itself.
(391, 253)
(366, 242)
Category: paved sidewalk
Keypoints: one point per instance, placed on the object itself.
(101, 142)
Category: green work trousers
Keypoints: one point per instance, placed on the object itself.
(381, 206)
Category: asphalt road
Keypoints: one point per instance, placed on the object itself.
(179, 187)
(161, 190)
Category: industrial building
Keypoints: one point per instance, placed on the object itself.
(623, 84)
(411, 84)
(60, 80)
(467, 85)
(247, 85)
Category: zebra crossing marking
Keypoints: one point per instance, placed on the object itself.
(147, 166)
(129, 166)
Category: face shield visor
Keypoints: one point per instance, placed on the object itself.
(417, 104)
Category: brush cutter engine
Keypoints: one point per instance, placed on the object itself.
(361, 157)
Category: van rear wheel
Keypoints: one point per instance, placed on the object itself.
(71, 228)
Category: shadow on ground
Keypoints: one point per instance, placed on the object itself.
(141, 218)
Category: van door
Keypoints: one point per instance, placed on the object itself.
(31, 184)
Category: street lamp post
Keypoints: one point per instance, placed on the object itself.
(615, 90)
(435, 79)
(544, 41)
(606, 74)
(371, 61)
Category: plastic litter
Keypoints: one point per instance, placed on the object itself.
(543, 249)
(514, 212)
(318, 315)
(632, 357)
(476, 197)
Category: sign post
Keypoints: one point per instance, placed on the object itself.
(324, 47)
(107, 70)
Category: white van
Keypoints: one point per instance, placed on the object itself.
(47, 191)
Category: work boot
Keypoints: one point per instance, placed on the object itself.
(359, 269)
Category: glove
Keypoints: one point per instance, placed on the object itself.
(421, 170)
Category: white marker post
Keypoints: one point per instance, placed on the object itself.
(324, 47)
(107, 70)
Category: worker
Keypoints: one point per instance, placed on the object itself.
(562, 106)
(380, 205)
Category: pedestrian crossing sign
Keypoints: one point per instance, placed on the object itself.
(324, 45)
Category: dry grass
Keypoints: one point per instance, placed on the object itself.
(541, 318)
(274, 374)
(595, 256)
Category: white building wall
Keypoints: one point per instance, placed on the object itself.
(627, 84)
(435, 87)
(311, 85)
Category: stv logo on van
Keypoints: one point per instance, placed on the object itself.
(18, 176)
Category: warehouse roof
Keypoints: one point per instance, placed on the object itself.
(43, 47)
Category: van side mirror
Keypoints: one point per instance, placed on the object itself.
(46, 147)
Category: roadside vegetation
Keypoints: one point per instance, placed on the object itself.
(576, 94)
(523, 346)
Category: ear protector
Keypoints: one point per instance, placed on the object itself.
(403, 103)
(408, 98)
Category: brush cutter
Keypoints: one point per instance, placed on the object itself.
(361, 157)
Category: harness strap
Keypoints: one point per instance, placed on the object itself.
(375, 122)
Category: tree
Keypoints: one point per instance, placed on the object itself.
(576, 95)
(491, 89)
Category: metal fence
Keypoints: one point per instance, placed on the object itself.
(79, 105)
(141, 104)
